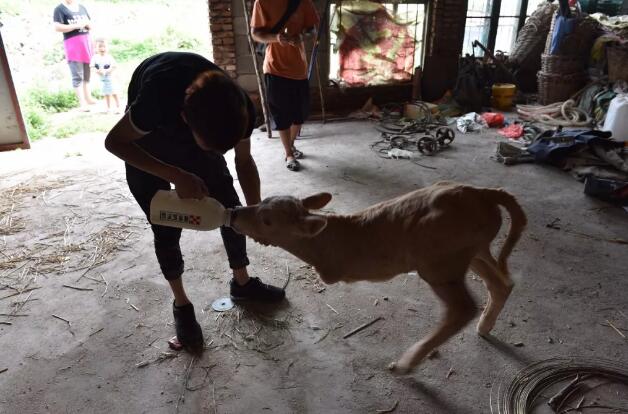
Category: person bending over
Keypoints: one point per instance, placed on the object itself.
(183, 114)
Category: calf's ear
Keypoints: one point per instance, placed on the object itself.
(310, 226)
(316, 201)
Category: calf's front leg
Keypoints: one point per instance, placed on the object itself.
(459, 310)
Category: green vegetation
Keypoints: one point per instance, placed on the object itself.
(52, 101)
(54, 55)
(125, 50)
(36, 123)
(36, 49)
(40, 104)
(10, 7)
(84, 122)
(66, 130)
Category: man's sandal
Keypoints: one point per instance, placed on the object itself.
(293, 165)
(297, 154)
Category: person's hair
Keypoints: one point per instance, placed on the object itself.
(215, 109)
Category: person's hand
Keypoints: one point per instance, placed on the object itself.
(283, 39)
(296, 39)
(188, 185)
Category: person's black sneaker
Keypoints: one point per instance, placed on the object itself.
(257, 291)
(189, 332)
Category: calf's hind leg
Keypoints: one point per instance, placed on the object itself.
(459, 310)
(498, 286)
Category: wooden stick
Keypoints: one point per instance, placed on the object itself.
(615, 328)
(285, 285)
(185, 384)
(260, 82)
(76, 287)
(19, 293)
(63, 319)
(320, 91)
(361, 327)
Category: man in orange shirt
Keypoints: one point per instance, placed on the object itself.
(285, 67)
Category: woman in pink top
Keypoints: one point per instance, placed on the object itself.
(72, 19)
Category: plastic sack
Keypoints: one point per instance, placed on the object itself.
(513, 131)
(493, 119)
(398, 153)
(471, 122)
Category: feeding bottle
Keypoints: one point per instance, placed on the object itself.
(167, 209)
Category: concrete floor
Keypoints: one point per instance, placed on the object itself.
(77, 216)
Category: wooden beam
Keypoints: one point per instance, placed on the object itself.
(260, 82)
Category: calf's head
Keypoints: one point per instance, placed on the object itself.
(282, 220)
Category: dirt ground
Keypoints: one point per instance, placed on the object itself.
(102, 348)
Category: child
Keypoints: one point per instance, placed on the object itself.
(104, 64)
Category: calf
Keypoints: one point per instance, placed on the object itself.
(439, 231)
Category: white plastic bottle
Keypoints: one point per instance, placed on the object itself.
(617, 118)
(167, 209)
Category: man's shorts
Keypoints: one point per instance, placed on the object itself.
(288, 101)
(80, 72)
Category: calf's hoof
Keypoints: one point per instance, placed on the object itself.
(399, 368)
(484, 328)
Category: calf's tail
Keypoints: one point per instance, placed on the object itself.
(518, 223)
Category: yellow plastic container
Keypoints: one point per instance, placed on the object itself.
(503, 94)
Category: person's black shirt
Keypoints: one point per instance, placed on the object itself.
(64, 15)
(157, 90)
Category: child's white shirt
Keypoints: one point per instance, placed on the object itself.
(100, 61)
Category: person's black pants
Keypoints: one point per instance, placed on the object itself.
(288, 101)
(212, 169)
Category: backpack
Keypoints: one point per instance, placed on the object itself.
(260, 48)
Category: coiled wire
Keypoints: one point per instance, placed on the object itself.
(522, 394)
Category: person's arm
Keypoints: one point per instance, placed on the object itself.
(65, 28)
(120, 142)
(247, 172)
(264, 36)
(260, 28)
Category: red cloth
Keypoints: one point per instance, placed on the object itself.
(512, 131)
(493, 119)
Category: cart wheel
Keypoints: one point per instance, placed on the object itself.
(445, 136)
(397, 141)
(427, 145)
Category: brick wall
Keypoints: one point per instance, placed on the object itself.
(223, 38)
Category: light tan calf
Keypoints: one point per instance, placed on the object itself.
(439, 231)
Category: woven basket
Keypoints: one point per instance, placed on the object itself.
(562, 64)
(531, 39)
(559, 87)
(617, 63)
